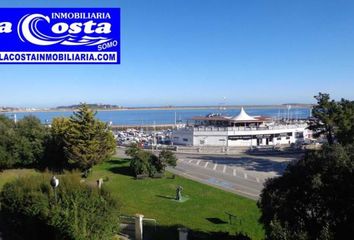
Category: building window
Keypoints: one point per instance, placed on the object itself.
(185, 139)
(202, 142)
(287, 138)
(299, 135)
(279, 138)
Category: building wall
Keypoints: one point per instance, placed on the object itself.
(215, 140)
(183, 136)
(229, 137)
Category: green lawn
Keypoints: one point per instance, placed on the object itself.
(204, 211)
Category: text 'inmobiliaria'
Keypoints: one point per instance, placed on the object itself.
(90, 35)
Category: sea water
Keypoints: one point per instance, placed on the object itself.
(150, 117)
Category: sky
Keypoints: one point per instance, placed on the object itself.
(201, 52)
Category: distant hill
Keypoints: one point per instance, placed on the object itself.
(299, 105)
(92, 105)
(8, 109)
(169, 107)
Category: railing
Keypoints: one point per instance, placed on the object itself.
(131, 220)
(127, 219)
(150, 221)
(277, 127)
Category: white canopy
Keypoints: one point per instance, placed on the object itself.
(243, 116)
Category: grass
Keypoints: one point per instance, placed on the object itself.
(204, 210)
(12, 174)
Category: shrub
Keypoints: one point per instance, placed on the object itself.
(167, 158)
(147, 163)
(140, 163)
(78, 212)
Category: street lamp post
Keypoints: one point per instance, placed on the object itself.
(54, 182)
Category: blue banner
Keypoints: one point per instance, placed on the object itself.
(60, 35)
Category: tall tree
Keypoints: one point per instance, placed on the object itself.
(345, 122)
(21, 144)
(334, 120)
(31, 135)
(314, 197)
(324, 118)
(87, 141)
(55, 157)
(7, 142)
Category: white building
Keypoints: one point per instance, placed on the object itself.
(241, 130)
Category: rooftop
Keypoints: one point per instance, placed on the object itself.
(242, 117)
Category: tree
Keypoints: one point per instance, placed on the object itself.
(345, 122)
(334, 120)
(132, 150)
(7, 143)
(79, 212)
(30, 142)
(324, 118)
(314, 197)
(140, 163)
(87, 140)
(167, 158)
(55, 157)
(5, 159)
(147, 163)
(21, 144)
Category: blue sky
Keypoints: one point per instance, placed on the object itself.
(195, 52)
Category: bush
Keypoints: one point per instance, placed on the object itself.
(167, 158)
(80, 212)
(140, 163)
(147, 163)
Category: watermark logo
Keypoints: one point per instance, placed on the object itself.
(60, 35)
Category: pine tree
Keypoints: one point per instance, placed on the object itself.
(324, 117)
(88, 141)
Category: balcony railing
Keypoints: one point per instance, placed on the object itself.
(224, 129)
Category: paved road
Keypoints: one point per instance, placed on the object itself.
(242, 174)
(235, 184)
